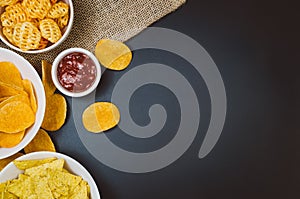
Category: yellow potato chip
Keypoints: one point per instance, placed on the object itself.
(19, 97)
(47, 79)
(10, 74)
(37, 8)
(3, 98)
(13, 15)
(6, 161)
(26, 36)
(8, 33)
(15, 117)
(8, 140)
(58, 10)
(41, 142)
(100, 116)
(113, 54)
(43, 43)
(26, 164)
(7, 90)
(7, 2)
(30, 91)
(55, 114)
(62, 21)
(50, 30)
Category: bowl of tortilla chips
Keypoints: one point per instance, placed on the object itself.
(22, 102)
(47, 174)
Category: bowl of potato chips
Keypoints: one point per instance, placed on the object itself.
(22, 102)
(35, 26)
(47, 174)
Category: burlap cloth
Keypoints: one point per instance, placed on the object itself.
(114, 19)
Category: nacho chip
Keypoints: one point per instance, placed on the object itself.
(100, 116)
(30, 91)
(10, 74)
(6, 161)
(8, 140)
(55, 114)
(113, 54)
(42, 169)
(47, 79)
(26, 164)
(41, 142)
(15, 117)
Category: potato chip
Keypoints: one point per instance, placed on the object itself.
(15, 117)
(47, 79)
(37, 8)
(62, 21)
(26, 36)
(6, 161)
(30, 91)
(20, 97)
(7, 90)
(41, 142)
(8, 33)
(3, 98)
(13, 15)
(55, 114)
(50, 30)
(10, 74)
(113, 54)
(100, 116)
(26, 164)
(43, 43)
(58, 10)
(8, 140)
(7, 2)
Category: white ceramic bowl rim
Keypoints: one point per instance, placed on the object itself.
(62, 39)
(11, 171)
(54, 72)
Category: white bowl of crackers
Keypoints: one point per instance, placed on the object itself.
(35, 26)
(22, 102)
(48, 174)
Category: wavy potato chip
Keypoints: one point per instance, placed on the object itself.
(41, 142)
(58, 10)
(8, 140)
(8, 33)
(55, 114)
(37, 8)
(43, 43)
(10, 74)
(30, 91)
(26, 36)
(62, 21)
(50, 30)
(47, 79)
(6, 161)
(100, 116)
(113, 54)
(15, 117)
(7, 2)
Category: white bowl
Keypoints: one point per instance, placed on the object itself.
(12, 172)
(54, 72)
(65, 33)
(28, 72)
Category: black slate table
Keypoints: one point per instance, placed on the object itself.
(255, 45)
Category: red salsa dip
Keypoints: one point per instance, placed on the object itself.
(76, 72)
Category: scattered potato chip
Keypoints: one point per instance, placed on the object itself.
(50, 30)
(47, 79)
(100, 116)
(16, 117)
(41, 142)
(6, 161)
(15, 14)
(58, 10)
(55, 114)
(8, 140)
(113, 54)
(26, 36)
(10, 74)
(26, 164)
(30, 91)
